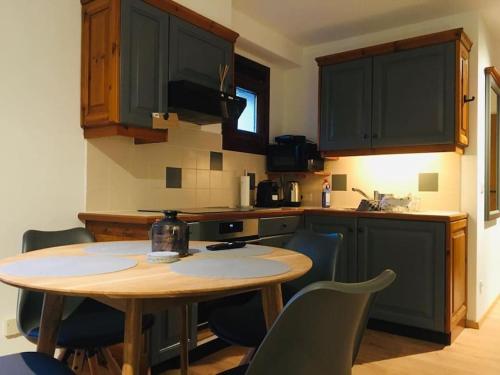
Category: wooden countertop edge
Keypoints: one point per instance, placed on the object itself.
(137, 219)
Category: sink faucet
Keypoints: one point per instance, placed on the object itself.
(361, 192)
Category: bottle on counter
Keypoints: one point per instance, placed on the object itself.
(170, 234)
(325, 195)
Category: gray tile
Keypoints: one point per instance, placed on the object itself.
(173, 178)
(216, 161)
(428, 181)
(339, 182)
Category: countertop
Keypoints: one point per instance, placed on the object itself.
(135, 217)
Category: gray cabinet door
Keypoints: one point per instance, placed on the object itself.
(346, 105)
(414, 97)
(347, 257)
(196, 54)
(144, 62)
(166, 331)
(416, 252)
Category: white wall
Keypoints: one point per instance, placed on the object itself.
(488, 233)
(42, 156)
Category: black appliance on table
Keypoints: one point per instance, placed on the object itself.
(293, 153)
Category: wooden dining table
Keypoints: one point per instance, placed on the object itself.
(147, 288)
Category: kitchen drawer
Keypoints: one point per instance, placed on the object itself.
(273, 226)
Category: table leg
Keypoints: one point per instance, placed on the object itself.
(133, 339)
(184, 339)
(49, 323)
(272, 303)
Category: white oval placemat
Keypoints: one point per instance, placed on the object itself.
(65, 266)
(249, 250)
(230, 268)
(119, 248)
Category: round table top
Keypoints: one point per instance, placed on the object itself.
(148, 280)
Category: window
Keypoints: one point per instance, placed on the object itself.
(251, 132)
(248, 119)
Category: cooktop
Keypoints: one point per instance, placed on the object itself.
(204, 210)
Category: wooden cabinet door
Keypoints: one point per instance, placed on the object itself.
(345, 105)
(347, 257)
(196, 54)
(100, 62)
(144, 62)
(463, 93)
(416, 252)
(414, 97)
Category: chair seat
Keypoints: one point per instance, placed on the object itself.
(92, 325)
(242, 325)
(240, 370)
(31, 363)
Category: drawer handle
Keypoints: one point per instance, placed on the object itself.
(284, 226)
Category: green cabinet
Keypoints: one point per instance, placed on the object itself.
(345, 109)
(403, 96)
(196, 55)
(413, 97)
(143, 62)
(346, 270)
(414, 250)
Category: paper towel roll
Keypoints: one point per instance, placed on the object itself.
(245, 191)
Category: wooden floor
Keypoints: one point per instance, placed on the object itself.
(474, 352)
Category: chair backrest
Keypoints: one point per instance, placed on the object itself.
(323, 250)
(29, 304)
(317, 331)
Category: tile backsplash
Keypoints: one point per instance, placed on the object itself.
(397, 174)
(124, 176)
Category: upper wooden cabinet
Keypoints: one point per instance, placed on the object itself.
(130, 51)
(405, 96)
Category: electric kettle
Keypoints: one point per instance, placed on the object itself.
(293, 194)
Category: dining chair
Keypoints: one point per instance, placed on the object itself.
(318, 331)
(32, 363)
(87, 327)
(244, 324)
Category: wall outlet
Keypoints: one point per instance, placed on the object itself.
(10, 330)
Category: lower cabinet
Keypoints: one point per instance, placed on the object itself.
(429, 258)
(416, 252)
(347, 257)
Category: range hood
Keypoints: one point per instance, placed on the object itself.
(202, 105)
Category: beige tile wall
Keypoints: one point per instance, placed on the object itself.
(124, 176)
(397, 174)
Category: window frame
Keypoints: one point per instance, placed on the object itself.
(255, 77)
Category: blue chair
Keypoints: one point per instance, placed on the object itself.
(244, 324)
(32, 363)
(87, 326)
(319, 330)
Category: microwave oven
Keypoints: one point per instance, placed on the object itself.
(294, 157)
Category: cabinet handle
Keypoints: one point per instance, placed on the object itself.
(283, 226)
(468, 99)
(162, 115)
(375, 135)
(365, 136)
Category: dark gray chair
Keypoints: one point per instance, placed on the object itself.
(244, 324)
(32, 363)
(87, 326)
(319, 330)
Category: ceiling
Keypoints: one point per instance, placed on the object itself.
(308, 22)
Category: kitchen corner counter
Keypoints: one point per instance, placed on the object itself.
(147, 218)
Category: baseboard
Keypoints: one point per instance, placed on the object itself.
(477, 324)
